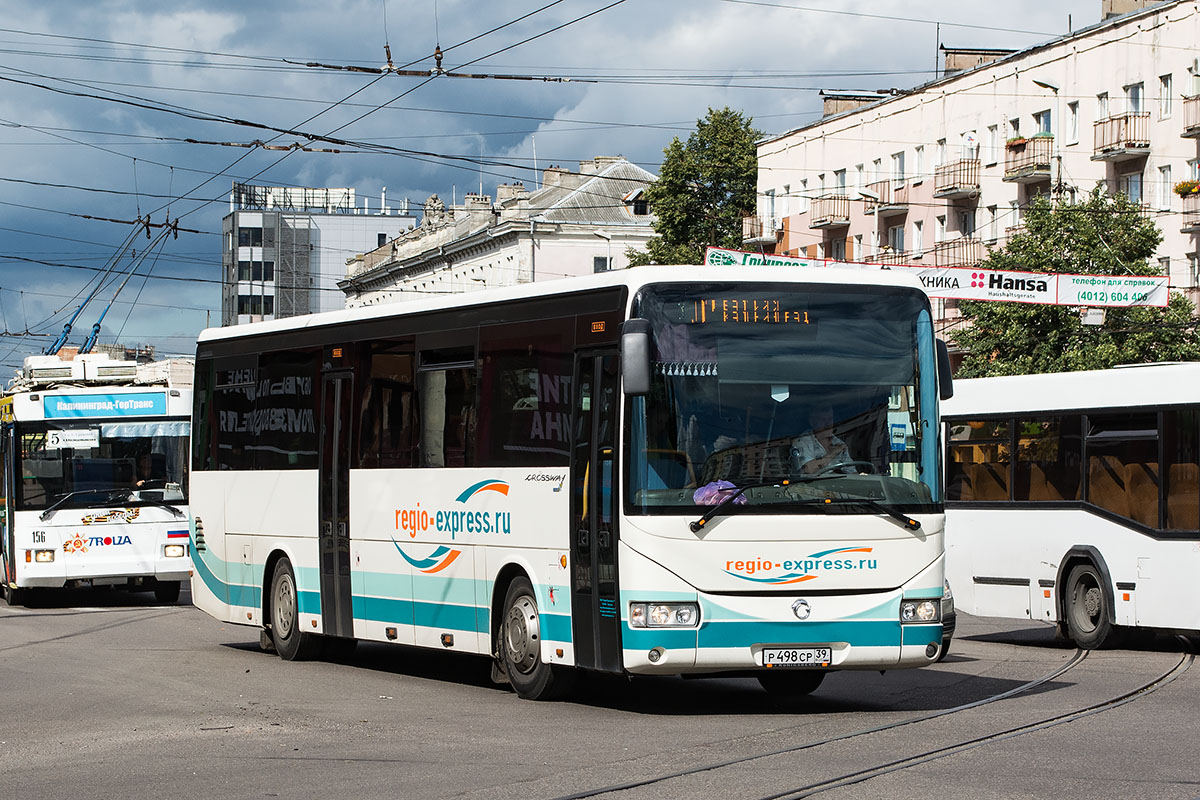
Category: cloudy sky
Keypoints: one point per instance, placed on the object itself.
(99, 98)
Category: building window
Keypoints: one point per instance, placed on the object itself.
(969, 145)
(939, 231)
(1165, 104)
(1102, 106)
(268, 304)
(803, 207)
(601, 264)
(918, 163)
(941, 152)
(896, 238)
(918, 242)
(993, 229)
(858, 247)
(381, 239)
(1014, 212)
(837, 249)
(1041, 122)
(1194, 268)
(769, 203)
(785, 204)
(966, 223)
(993, 144)
(1164, 265)
(839, 181)
(1014, 128)
(1164, 187)
(1073, 122)
(1130, 185)
(1193, 166)
(641, 206)
(858, 178)
(250, 237)
(898, 168)
(268, 270)
(1133, 98)
(243, 273)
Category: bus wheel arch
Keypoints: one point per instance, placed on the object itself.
(1085, 599)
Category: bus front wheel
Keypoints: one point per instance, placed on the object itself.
(1089, 617)
(521, 646)
(291, 643)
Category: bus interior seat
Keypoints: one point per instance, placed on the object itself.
(673, 467)
(1040, 487)
(1183, 497)
(1106, 484)
(989, 481)
(1141, 484)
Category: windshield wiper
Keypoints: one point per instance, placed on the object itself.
(57, 504)
(163, 504)
(874, 505)
(696, 525)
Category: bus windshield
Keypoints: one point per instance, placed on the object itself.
(827, 388)
(101, 463)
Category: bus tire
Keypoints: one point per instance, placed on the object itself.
(521, 646)
(291, 643)
(13, 597)
(166, 591)
(791, 683)
(1088, 615)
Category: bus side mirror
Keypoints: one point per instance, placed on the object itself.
(635, 356)
(945, 382)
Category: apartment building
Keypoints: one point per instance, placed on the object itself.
(940, 174)
(285, 248)
(575, 223)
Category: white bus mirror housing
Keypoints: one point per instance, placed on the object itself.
(945, 382)
(635, 356)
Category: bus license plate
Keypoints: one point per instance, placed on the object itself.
(797, 656)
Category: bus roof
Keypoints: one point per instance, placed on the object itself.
(633, 278)
(1123, 387)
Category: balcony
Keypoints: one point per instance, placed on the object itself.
(1013, 230)
(889, 257)
(957, 179)
(892, 194)
(964, 252)
(1121, 138)
(1191, 213)
(829, 211)
(1191, 117)
(761, 230)
(1028, 160)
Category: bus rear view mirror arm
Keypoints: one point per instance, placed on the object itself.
(635, 356)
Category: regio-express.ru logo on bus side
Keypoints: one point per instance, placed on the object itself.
(802, 569)
(455, 521)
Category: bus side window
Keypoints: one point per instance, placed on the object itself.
(977, 462)
(1180, 440)
(447, 409)
(1047, 462)
(387, 432)
(1122, 465)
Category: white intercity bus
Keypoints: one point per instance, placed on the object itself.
(1074, 499)
(94, 478)
(596, 473)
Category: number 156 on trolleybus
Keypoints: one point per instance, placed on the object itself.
(665, 470)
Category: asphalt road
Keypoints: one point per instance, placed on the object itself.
(108, 695)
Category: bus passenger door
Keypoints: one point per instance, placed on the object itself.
(334, 481)
(595, 611)
(8, 570)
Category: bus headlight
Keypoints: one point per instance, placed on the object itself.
(920, 610)
(175, 551)
(43, 556)
(664, 615)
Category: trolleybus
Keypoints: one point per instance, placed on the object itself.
(94, 479)
(596, 473)
(1074, 499)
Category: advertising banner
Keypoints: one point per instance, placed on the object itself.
(966, 283)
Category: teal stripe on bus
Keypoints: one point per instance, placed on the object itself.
(922, 634)
(877, 633)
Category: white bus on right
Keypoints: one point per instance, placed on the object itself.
(1074, 498)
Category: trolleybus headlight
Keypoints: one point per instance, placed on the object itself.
(43, 556)
(664, 615)
(920, 610)
(175, 551)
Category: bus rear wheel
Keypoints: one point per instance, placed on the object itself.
(791, 683)
(1089, 617)
(291, 643)
(13, 597)
(521, 647)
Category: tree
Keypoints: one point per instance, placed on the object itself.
(1100, 235)
(704, 188)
